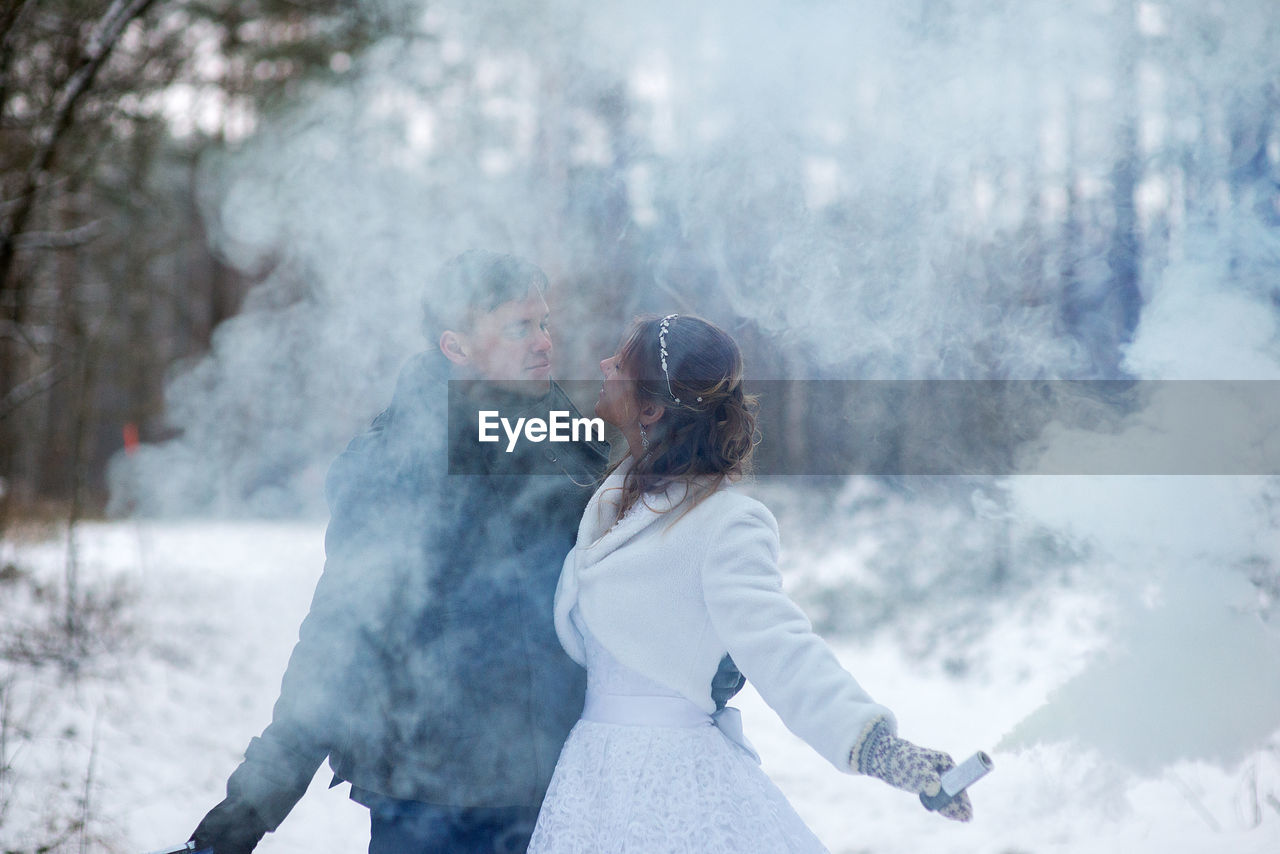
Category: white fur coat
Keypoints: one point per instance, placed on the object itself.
(669, 593)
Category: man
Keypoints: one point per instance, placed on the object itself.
(428, 670)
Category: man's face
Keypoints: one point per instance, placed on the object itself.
(510, 346)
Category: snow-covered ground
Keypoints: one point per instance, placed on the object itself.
(155, 724)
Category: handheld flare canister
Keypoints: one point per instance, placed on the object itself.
(958, 779)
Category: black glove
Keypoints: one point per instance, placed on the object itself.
(232, 827)
(727, 682)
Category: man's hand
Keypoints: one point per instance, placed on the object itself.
(232, 827)
(727, 682)
(914, 769)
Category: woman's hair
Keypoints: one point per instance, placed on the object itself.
(707, 431)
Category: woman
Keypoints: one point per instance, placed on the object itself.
(673, 568)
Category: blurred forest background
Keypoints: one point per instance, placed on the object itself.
(868, 234)
(1107, 141)
(107, 278)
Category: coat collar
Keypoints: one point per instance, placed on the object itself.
(599, 535)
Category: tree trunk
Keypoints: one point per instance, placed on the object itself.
(1124, 256)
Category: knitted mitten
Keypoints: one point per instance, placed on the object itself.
(914, 769)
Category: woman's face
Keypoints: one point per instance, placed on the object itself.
(618, 402)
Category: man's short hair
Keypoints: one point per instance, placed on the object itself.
(473, 283)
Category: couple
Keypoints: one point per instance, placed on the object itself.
(431, 669)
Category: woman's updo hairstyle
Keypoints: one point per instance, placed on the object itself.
(693, 368)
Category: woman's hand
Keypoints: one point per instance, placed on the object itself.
(914, 769)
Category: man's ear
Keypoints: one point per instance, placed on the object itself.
(454, 347)
(651, 412)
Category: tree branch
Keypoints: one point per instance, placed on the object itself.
(25, 334)
(69, 239)
(31, 388)
(101, 42)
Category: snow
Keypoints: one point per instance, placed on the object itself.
(214, 610)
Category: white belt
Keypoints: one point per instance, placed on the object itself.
(649, 710)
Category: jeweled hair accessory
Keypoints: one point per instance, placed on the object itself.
(662, 351)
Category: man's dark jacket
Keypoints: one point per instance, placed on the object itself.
(428, 667)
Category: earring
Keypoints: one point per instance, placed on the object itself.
(644, 438)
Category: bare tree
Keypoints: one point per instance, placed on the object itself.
(90, 168)
(41, 94)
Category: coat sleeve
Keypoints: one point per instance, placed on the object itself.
(774, 645)
(365, 542)
(379, 491)
(306, 722)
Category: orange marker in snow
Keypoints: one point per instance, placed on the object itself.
(130, 438)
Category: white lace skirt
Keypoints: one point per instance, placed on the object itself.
(621, 789)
